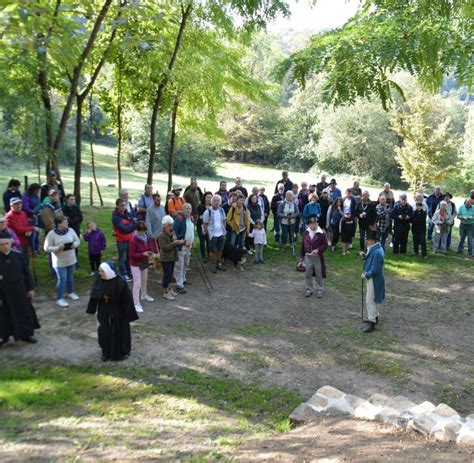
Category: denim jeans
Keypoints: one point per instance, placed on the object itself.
(238, 240)
(286, 231)
(419, 240)
(466, 230)
(382, 237)
(124, 265)
(168, 268)
(276, 227)
(65, 280)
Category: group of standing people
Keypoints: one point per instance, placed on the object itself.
(149, 232)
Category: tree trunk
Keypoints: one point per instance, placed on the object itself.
(119, 131)
(78, 161)
(172, 140)
(185, 13)
(91, 141)
(77, 72)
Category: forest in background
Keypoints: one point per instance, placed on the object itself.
(178, 88)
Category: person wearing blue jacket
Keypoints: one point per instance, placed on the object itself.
(312, 208)
(374, 275)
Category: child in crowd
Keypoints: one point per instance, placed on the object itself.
(348, 229)
(97, 244)
(418, 229)
(259, 240)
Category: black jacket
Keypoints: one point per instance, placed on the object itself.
(370, 213)
(418, 221)
(402, 224)
(288, 185)
(74, 216)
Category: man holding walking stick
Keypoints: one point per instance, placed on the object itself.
(374, 276)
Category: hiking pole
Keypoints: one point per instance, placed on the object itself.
(205, 273)
(202, 276)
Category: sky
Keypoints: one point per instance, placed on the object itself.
(326, 14)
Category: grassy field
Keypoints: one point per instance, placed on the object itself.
(251, 175)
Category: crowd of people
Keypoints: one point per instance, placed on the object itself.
(150, 230)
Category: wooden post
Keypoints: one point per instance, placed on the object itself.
(91, 189)
(26, 183)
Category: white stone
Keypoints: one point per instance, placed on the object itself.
(393, 409)
(444, 410)
(470, 417)
(423, 424)
(366, 411)
(379, 399)
(466, 433)
(330, 392)
(354, 401)
(400, 403)
(405, 420)
(303, 413)
(319, 402)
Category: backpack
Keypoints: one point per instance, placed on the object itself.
(210, 214)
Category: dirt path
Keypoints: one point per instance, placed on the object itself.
(260, 328)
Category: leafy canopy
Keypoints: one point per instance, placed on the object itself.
(428, 38)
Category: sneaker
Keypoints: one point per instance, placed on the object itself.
(319, 294)
(213, 269)
(127, 278)
(221, 268)
(168, 296)
(187, 282)
(73, 297)
(180, 290)
(173, 292)
(343, 253)
(308, 293)
(62, 303)
(147, 298)
(138, 308)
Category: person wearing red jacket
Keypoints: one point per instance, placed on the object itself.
(139, 251)
(17, 220)
(124, 226)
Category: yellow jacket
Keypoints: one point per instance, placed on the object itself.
(233, 219)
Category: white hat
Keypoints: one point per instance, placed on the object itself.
(167, 219)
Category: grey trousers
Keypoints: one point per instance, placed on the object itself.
(259, 252)
(313, 263)
(372, 306)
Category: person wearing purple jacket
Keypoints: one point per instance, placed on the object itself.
(314, 244)
(97, 245)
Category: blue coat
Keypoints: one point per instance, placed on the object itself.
(310, 209)
(373, 268)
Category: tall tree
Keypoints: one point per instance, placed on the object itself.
(428, 38)
(430, 148)
(63, 35)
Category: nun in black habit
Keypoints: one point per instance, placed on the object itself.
(17, 315)
(112, 299)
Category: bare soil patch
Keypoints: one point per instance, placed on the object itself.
(260, 328)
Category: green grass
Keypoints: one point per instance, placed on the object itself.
(252, 360)
(112, 395)
(257, 330)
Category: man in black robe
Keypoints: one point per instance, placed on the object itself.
(112, 299)
(17, 315)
